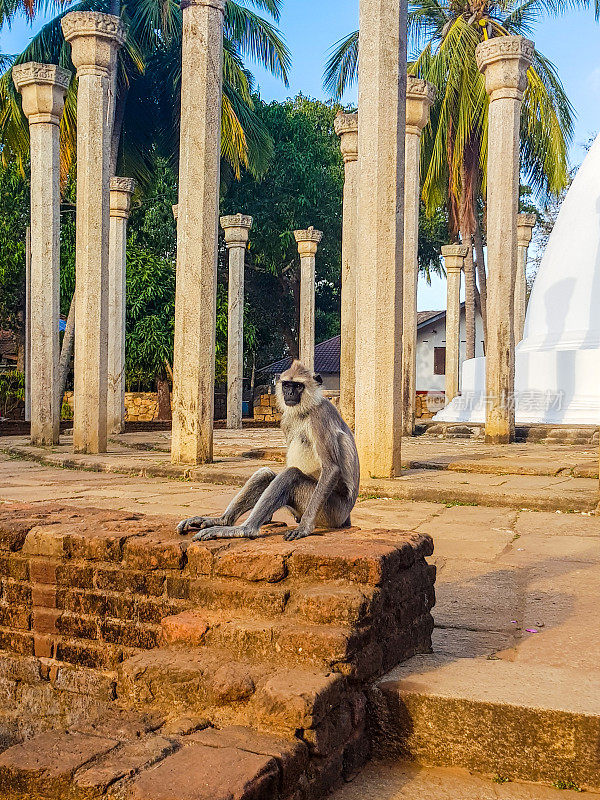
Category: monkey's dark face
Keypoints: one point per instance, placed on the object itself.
(292, 392)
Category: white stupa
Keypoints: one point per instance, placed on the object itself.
(557, 365)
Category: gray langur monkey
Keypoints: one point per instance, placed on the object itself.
(320, 482)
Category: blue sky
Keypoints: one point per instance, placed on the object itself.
(310, 27)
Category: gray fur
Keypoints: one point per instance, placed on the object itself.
(319, 484)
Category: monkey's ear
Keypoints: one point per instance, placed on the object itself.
(318, 379)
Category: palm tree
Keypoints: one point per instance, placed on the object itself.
(444, 34)
(146, 108)
(146, 111)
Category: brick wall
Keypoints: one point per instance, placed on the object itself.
(265, 409)
(143, 406)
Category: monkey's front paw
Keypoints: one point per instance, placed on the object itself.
(297, 533)
(236, 532)
(197, 524)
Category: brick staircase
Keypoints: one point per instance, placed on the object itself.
(137, 664)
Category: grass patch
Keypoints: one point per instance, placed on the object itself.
(571, 785)
(452, 503)
(500, 779)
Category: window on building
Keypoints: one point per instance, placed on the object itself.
(439, 360)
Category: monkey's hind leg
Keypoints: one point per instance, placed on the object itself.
(278, 494)
(242, 502)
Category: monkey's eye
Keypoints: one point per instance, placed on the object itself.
(292, 386)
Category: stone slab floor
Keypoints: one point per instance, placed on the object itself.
(402, 782)
(534, 476)
(516, 585)
(501, 570)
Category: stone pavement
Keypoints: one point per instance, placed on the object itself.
(515, 588)
(393, 781)
(500, 570)
(535, 476)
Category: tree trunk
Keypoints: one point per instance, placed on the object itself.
(291, 341)
(119, 116)
(66, 351)
(481, 277)
(20, 337)
(469, 295)
(164, 399)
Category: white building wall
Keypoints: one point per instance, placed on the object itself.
(433, 335)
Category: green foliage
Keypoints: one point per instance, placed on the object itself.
(570, 785)
(303, 187)
(14, 218)
(148, 85)
(151, 216)
(67, 247)
(150, 316)
(12, 392)
(433, 235)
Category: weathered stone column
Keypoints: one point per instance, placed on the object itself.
(504, 62)
(43, 88)
(454, 258)
(525, 225)
(121, 190)
(95, 39)
(381, 107)
(346, 127)
(419, 99)
(308, 242)
(197, 233)
(236, 229)
(28, 324)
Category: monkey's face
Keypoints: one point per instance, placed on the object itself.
(292, 392)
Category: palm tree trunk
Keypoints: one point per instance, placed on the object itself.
(66, 350)
(164, 399)
(466, 238)
(117, 130)
(481, 277)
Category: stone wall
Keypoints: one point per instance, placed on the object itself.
(266, 410)
(428, 404)
(143, 406)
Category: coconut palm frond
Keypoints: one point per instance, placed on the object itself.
(257, 38)
(341, 70)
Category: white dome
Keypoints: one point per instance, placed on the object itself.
(557, 365)
(564, 307)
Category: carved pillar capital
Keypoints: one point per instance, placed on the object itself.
(420, 96)
(43, 88)
(504, 62)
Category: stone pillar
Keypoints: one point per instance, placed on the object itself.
(95, 39)
(236, 229)
(382, 107)
(28, 324)
(43, 88)
(419, 99)
(454, 258)
(504, 62)
(525, 225)
(197, 234)
(346, 127)
(308, 242)
(121, 190)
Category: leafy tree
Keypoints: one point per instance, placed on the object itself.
(445, 35)
(146, 111)
(14, 218)
(150, 322)
(303, 187)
